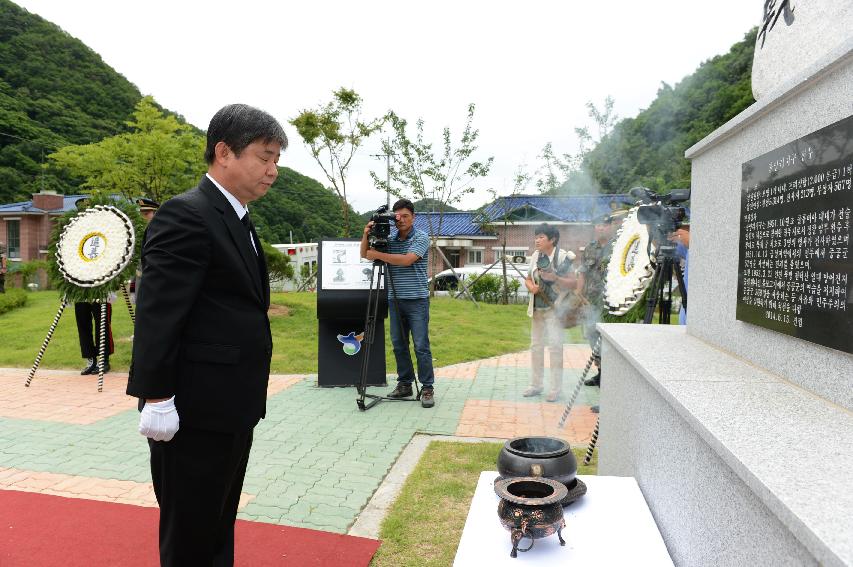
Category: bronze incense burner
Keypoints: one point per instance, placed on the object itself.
(530, 508)
(546, 457)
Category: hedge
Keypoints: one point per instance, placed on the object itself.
(12, 299)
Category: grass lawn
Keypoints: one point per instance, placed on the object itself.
(424, 525)
(459, 332)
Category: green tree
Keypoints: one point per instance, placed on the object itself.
(443, 178)
(499, 213)
(333, 133)
(278, 264)
(564, 173)
(649, 148)
(297, 208)
(54, 91)
(158, 159)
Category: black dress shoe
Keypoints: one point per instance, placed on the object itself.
(91, 368)
(594, 381)
(401, 391)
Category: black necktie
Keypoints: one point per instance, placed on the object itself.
(248, 224)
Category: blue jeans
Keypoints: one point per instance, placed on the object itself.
(415, 320)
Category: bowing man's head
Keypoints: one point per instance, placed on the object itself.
(243, 148)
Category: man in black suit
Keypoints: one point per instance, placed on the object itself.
(202, 345)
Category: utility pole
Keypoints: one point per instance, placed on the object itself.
(388, 179)
(387, 157)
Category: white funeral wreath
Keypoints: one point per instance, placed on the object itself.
(630, 270)
(95, 246)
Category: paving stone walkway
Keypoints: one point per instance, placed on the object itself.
(316, 460)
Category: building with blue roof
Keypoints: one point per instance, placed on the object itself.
(25, 227)
(473, 238)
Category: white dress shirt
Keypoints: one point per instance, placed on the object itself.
(239, 209)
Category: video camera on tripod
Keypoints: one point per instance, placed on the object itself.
(661, 215)
(377, 238)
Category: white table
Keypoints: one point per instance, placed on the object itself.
(610, 525)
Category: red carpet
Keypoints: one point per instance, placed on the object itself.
(38, 530)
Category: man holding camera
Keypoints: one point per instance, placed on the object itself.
(407, 260)
(548, 282)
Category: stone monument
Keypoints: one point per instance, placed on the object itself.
(739, 427)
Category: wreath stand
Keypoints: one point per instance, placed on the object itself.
(84, 233)
(101, 339)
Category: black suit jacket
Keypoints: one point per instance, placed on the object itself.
(202, 332)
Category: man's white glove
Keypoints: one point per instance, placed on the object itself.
(159, 420)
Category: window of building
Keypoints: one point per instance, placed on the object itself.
(511, 252)
(13, 239)
(475, 257)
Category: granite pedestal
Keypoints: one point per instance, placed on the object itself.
(740, 438)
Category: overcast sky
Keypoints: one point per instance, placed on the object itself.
(529, 67)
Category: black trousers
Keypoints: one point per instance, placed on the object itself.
(85, 313)
(198, 477)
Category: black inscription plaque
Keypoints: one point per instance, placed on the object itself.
(795, 267)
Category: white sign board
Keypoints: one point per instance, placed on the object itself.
(342, 266)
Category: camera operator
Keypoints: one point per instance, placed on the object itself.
(681, 238)
(549, 281)
(407, 258)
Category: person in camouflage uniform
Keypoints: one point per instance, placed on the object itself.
(591, 281)
(3, 269)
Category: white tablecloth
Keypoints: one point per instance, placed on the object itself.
(610, 525)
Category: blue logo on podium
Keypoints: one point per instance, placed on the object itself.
(351, 342)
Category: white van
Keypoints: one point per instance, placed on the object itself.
(446, 282)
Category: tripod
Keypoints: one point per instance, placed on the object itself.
(372, 313)
(660, 294)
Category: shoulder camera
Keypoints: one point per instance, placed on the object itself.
(382, 219)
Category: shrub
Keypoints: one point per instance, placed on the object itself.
(489, 288)
(26, 272)
(12, 299)
(278, 264)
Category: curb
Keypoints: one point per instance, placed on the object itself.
(370, 519)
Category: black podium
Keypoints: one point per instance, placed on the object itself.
(343, 285)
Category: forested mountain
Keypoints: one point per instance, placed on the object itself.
(649, 149)
(55, 91)
(301, 204)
